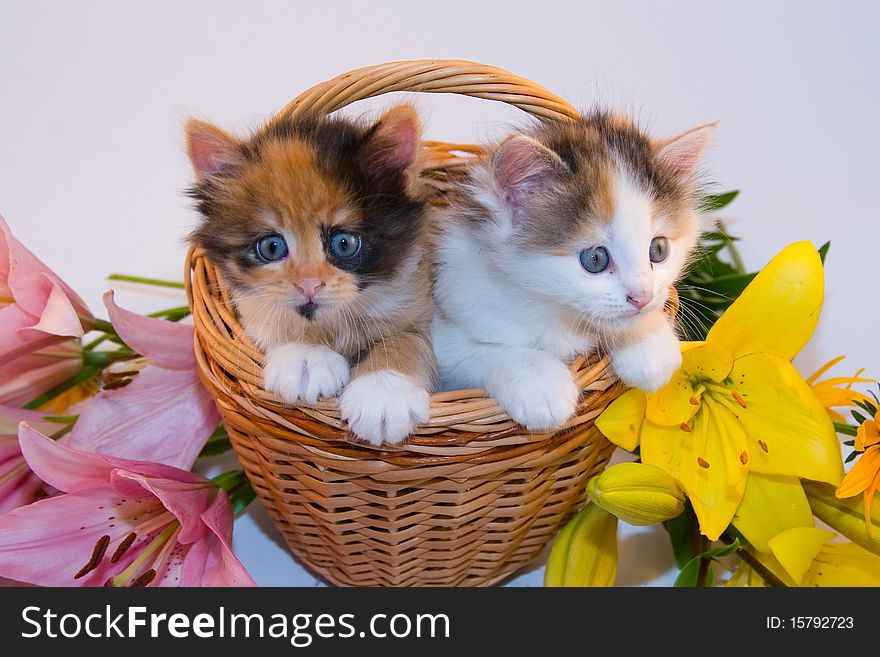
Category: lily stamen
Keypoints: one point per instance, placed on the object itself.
(122, 548)
(144, 579)
(738, 397)
(96, 558)
(123, 578)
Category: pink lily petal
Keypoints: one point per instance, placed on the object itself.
(163, 415)
(11, 417)
(29, 279)
(212, 562)
(30, 375)
(185, 499)
(47, 542)
(71, 470)
(59, 316)
(19, 490)
(167, 344)
(15, 343)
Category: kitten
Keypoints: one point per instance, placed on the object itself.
(561, 241)
(318, 230)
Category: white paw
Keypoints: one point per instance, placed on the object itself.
(299, 372)
(649, 363)
(384, 406)
(537, 390)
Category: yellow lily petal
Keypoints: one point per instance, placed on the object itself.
(744, 576)
(862, 475)
(771, 505)
(621, 422)
(788, 431)
(674, 403)
(706, 462)
(844, 564)
(707, 361)
(778, 310)
(796, 548)
(868, 434)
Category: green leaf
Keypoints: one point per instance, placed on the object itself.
(870, 408)
(845, 429)
(858, 417)
(680, 531)
(852, 457)
(714, 202)
(823, 251)
(691, 570)
(217, 444)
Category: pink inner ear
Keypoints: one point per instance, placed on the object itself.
(523, 167)
(210, 152)
(682, 153)
(396, 144)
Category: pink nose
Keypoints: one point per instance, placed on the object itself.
(640, 298)
(309, 287)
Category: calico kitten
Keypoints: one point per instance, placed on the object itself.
(563, 240)
(321, 237)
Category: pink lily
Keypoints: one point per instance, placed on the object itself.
(119, 523)
(164, 415)
(29, 376)
(36, 308)
(18, 485)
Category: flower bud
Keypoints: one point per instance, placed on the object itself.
(847, 516)
(637, 493)
(585, 552)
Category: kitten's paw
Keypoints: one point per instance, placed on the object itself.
(298, 372)
(384, 406)
(537, 390)
(650, 363)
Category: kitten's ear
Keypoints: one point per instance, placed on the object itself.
(393, 144)
(682, 153)
(211, 150)
(522, 168)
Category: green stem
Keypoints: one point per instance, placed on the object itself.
(103, 326)
(172, 314)
(102, 359)
(237, 487)
(769, 578)
(705, 562)
(146, 281)
(84, 374)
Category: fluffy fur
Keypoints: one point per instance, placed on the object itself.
(323, 320)
(515, 304)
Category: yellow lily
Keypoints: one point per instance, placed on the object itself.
(836, 392)
(802, 556)
(737, 409)
(864, 476)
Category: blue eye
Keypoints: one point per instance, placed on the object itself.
(659, 249)
(595, 260)
(345, 245)
(271, 248)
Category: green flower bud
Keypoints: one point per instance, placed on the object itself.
(847, 515)
(637, 493)
(585, 552)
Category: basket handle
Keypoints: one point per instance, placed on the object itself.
(448, 76)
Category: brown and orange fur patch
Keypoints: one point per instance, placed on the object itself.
(304, 180)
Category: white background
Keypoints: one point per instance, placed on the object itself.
(93, 97)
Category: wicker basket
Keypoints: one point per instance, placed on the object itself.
(471, 497)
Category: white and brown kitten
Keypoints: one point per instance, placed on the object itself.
(563, 240)
(317, 230)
